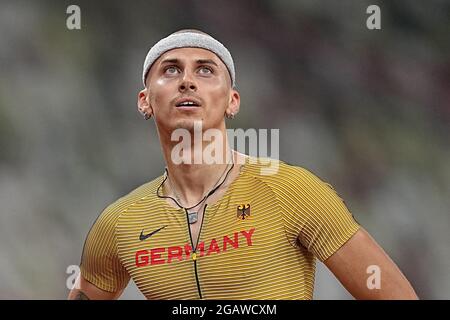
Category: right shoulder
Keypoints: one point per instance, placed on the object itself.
(100, 262)
(107, 219)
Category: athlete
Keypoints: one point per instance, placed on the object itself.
(223, 229)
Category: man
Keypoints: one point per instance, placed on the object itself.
(222, 230)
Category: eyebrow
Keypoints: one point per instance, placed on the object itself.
(206, 61)
(199, 61)
(170, 61)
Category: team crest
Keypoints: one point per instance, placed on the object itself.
(243, 211)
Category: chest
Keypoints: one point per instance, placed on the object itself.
(228, 253)
(195, 230)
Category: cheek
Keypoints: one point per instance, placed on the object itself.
(218, 89)
(220, 97)
(161, 82)
(161, 92)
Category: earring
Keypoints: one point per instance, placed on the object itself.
(230, 116)
(146, 115)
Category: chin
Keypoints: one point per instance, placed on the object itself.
(187, 124)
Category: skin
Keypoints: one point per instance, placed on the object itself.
(84, 290)
(349, 264)
(167, 82)
(199, 73)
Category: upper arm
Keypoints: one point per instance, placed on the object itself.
(319, 219)
(350, 265)
(101, 265)
(84, 290)
(314, 214)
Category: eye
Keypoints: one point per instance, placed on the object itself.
(205, 70)
(170, 70)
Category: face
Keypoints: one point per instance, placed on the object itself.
(188, 75)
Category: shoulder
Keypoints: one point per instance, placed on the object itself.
(111, 213)
(290, 183)
(278, 173)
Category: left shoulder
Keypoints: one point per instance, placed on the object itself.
(275, 172)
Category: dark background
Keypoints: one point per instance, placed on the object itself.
(366, 110)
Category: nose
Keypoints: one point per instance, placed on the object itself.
(187, 84)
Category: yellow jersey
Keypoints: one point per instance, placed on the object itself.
(259, 241)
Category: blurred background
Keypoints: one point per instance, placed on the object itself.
(366, 110)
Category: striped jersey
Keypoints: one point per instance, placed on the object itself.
(259, 241)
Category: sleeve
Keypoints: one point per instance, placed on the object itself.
(314, 214)
(100, 264)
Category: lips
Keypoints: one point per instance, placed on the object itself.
(187, 103)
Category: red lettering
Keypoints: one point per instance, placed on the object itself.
(174, 252)
(234, 243)
(248, 235)
(141, 258)
(155, 254)
(213, 247)
(201, 246)
(187, 250)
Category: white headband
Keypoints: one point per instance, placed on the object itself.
(193, 40)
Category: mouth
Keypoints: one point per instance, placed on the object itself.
(187, 103)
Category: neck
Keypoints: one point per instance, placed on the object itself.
(197, 174)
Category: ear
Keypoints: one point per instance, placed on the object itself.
(234, 102)
(143, 103)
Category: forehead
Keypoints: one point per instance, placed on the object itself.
(186, 55)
